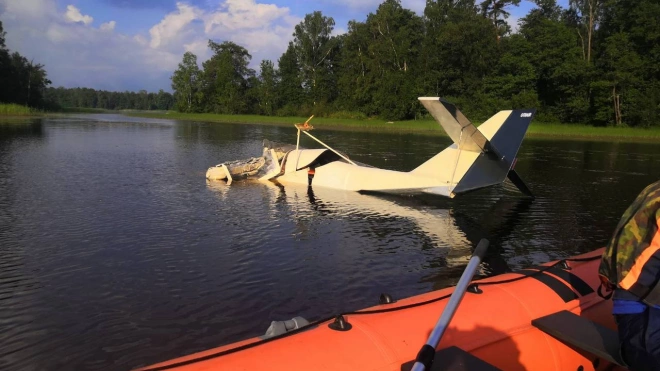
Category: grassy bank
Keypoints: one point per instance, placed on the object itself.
(83, 110)
(586, 131)
(14, 110)
(317, 122)
(426, 126)
(17, 110)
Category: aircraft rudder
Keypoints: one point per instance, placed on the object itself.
(508, 139)
(510, 128)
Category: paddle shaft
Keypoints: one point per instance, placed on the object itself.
(425, 356)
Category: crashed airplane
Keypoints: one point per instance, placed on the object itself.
(478, 158)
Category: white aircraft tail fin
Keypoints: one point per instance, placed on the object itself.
(480, 157)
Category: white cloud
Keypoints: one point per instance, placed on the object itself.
(198, 47)
(243, 14)
(141, 40)
(76, 53)
(27, 9)
(338, 31)
(171, 26)
(108, 26)
(365, 6)
(416, 5)
(263, 29)
(73, 15)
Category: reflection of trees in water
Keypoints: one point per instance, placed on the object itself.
(219, 133)
(582, 187)
(496, 225)
(15, 281)
(12, 132)
(20, 129)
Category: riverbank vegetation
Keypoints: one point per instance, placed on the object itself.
(22, 82)
(109, 100)
(12, 109)
(426, 126)
(594, 63)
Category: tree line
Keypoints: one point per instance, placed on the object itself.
(22, 81)
(111, 100)
(595, 62)
(25, 82)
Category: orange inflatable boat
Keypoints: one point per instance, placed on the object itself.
(547, 317)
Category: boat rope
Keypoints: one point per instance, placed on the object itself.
(541, 270)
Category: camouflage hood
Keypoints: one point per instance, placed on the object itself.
(634, 233)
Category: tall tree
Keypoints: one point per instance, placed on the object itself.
(588, 14)
(356, 82)
(315, 51)
(512, 82)
(562, 77)
(396, 36)
(267, 86)
(185, 83)
(2, 37)
(26, 81)
(290, 89)
(22, 81)
(226, 78)
(638, 24)
(546, 9)
(495, 11)
(457, 54)
(620, 63)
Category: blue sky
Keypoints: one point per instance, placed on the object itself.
(137, 44)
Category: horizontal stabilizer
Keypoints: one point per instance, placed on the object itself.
(455, 124)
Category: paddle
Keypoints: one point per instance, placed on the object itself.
(425, 356)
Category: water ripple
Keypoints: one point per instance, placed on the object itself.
(115, 252)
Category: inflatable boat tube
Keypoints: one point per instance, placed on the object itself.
(544, 318)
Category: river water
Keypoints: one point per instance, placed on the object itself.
(116, 252)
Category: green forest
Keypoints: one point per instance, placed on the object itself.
(21, 80)
(596, 62)
(110, 100)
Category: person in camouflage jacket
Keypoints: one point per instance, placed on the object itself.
(630, 268)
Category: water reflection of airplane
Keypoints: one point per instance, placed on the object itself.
(440, 221)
